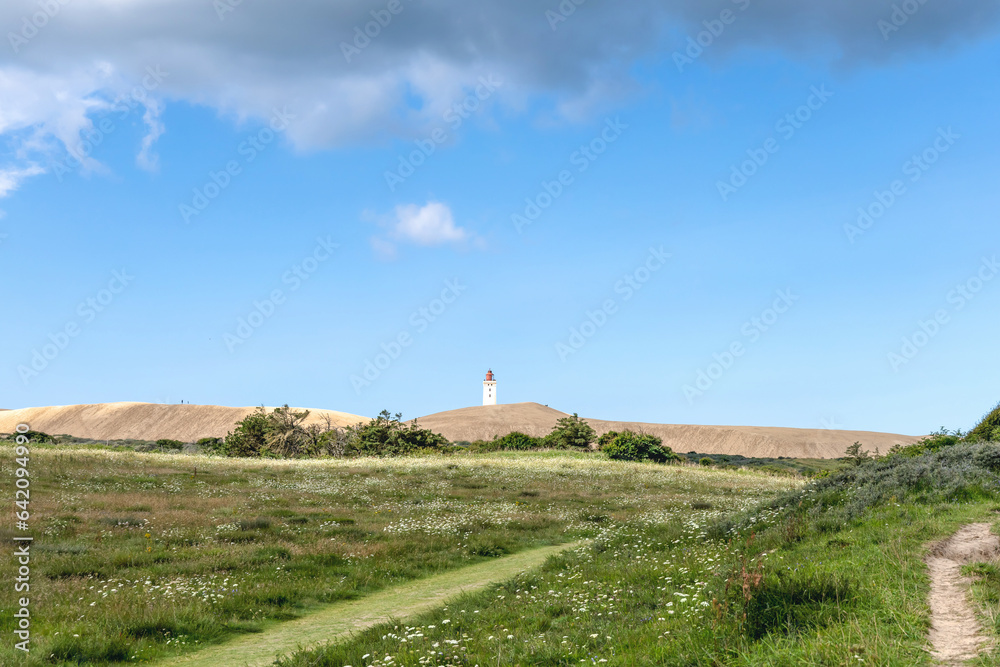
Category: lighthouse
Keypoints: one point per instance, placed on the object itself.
(489, 389)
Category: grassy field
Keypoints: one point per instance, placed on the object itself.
(141, 556)
(831, 574)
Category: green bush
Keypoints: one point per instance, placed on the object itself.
(386, 435)
(629, 446)
(34, 437)
(214, 445)
(249, 438)
(705, 461)
(606, 439)
(166, 443)
(956, 473)
(934, 442)
(515, 441)
(570, 432)
(988, 428)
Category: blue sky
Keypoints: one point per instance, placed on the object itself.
(355, 260)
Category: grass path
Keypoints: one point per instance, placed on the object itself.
(338, 620)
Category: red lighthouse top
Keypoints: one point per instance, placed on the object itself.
(489, 375)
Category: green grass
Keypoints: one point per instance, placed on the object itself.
(142, 556)
(649, 595)
(696, 565)
(831, 574)
(339, 619)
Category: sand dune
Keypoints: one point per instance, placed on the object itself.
(187, 423)
(483, 422)
(143, 421)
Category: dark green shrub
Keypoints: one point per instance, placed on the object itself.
(606, 439)
(705, 461)
(166, 443)
(250, 436)
(629, 446)
(517, 441)
(856, 455)
(934, 442)
(280, 433)
(386, 435)
(571, 432)
(988, 426)
(212, 445)
(34, 437)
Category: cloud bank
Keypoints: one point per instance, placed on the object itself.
(360, 71)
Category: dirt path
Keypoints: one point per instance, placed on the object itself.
(339, 619)
(955, 633)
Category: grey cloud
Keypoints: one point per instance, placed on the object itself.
(266, 55)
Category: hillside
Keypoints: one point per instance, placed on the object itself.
(483, 422)
(143, 421)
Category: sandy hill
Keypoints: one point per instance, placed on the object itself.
(144, 421)
(483, 422)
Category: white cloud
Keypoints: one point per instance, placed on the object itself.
(432, 224)
(428, 225)
(10, 179)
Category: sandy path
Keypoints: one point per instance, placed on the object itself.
(338, 620)
(955, 632)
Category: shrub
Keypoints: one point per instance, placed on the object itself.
(166, 443)
(988, 427)
(386, 435)
(34, 437)
(571, 432)
(705, 461)
(629, 446)
(214, 445)
(960, 472)
(934, 442)
(856, 455)
(515, 441)
(281, 433)
(249, 438)
(606, 439)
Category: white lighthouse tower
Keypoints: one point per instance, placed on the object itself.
(489, 389)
